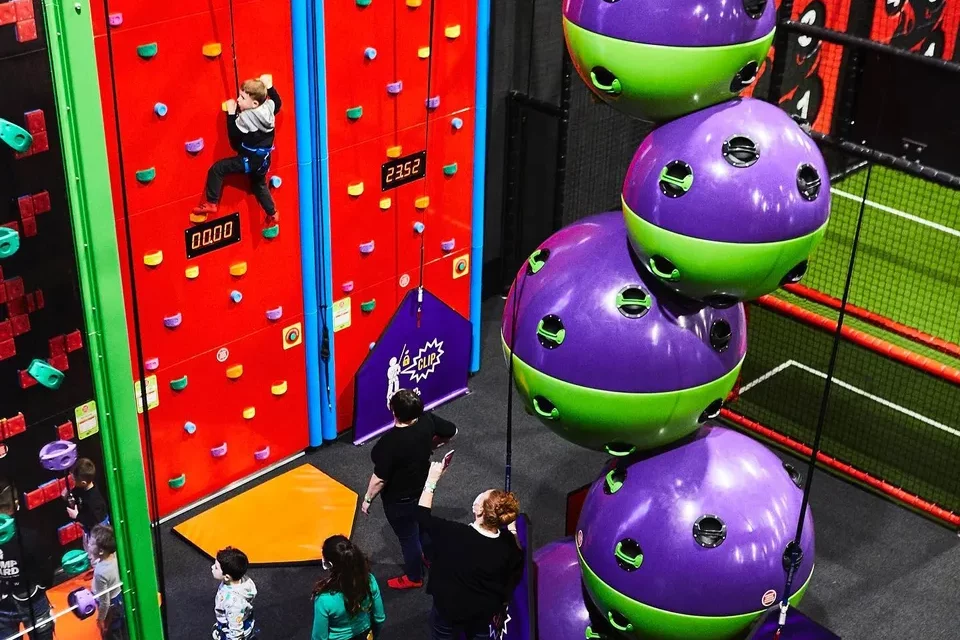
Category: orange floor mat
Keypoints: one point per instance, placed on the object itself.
(282, 521)
(68, 625)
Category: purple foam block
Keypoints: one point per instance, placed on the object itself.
(151, 364)
(562, 612)
(194, 146)
(115, 19)
(719, 473)
(758, 202)
(367, 247)
(347, 286)
(667, 348)
(219, 452)
(395, 87)
(82, 602)
(678, 23)
(262, 454)
(173, 321)
(433, 103)
(275, 314)
(448, 245)
(58, 456)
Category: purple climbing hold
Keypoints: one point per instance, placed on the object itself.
(448, 245)
(262, 454)
(219, 452)
(173, 321)
(367, 247)
(433, 103)
(115, 19)
(194, 146)
(82, 602)
(347, 286)
(58, 456)
(395, 87)
(275, 314)
(151, 364)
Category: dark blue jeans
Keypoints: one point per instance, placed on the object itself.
(414, 543)
(441, 629)
(13, 612)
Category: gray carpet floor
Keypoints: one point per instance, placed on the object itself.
(883, 572)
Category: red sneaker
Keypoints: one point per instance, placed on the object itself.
(270, 220)
(403, 582)
(201, 211)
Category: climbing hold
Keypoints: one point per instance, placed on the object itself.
(347, 286)
(147, 51)
(394, 88)
(237, 269)
(423, 53)
(371, 346)
(160, 109)
(9, 242)
(271, 232)
(115, 19)
(394, 151)
(355, 113)
(413, 4)
(452, 32)
(276, 181)
(219, 452)
(367, 247)
(197, 218)
(249, 413)
(433, 103)
(82, 602)
(450, 169)
(212, 49)
(194, 146)
(223, 106)
(151, 364)
(179, 384)
(262, 454)
(368, 306)
(275, 314)
(363, 3)
(46, 374)
(8, 527)
(15, 136)
(385, 203)
(448, 245)
(190, 427)
(146, 176)
(58, 456)
(278, 388)
(178, 482)
(235, 371)
(75, 562)
(153, 258)
(173, 321)
(456, 123)
(192, 272)
(236, 296)
(422, 202)
(355, 189)
(369, 53)
(418, 226)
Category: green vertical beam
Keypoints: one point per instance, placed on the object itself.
(74, 65)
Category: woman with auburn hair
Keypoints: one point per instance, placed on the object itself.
(475, 566)
(346, 603)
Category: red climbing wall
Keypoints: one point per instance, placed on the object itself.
(218, 336)
(397, 84)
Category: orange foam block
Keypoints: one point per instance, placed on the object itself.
(293, 514)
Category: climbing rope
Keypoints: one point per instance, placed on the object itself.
(426, 146)
(233, 48)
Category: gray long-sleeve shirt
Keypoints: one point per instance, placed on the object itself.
(106, 584)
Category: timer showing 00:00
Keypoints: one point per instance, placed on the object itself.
(212, 235)
(403, 170)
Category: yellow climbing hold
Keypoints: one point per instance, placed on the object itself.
(249, 413)
(355, 189)
(394, 151)
(223, 106)
(452, 32)
(235, 371)
(238, 269)
(385, 203)
(212, 49)
(423, 52)
(191, 272)
(197, 218)
(279, 388)
(422, 202)
(153, 259)
(414, 3)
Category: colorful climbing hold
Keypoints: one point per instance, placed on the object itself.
(219, 452)
(363, 3)
(147, 51)
(237, 269)
(153, 259)
(45, 374)
(190, 427)
(15, 136)
(355, 189)
(151, 364)
(236, 296)
(8, 527)
(179, 384)
(452, 32)
(394, 88)
(262, 454)
(395, 151)
(249, 413)
(385, 203)
(160, 109)
(413, 4)
(192, 272)
(173, 321)
(178, 482)
(370, 53)
(278, 388)
(75, 562)
(418, 226)
(146, 176)
(235, 371)
(456, 123)
(433, 103)
(115, 19)
(9, 242)
(194, 146)
(274, 314)
(212, 49)
(355, 113)
(422, 202)
(368, 306)
(423, 53)
(448, 245)
(347, 286)
(276, 181)
(367, 247)
(271, 232)
(450, 169)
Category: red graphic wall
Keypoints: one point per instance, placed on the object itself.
(398, 83)
(928, 27)
(219, 335)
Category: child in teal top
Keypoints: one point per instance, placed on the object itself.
(346, 603)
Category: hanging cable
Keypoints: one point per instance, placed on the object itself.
(233, 49)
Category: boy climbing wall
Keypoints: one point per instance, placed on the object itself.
(251, 120)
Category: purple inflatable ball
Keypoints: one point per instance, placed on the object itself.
(564, 611)
(727, 203)
(604, 354)
(688, 543)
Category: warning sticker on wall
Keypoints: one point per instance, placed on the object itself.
(87, 423)
(341, 314)
(769, 598)
(153, 395)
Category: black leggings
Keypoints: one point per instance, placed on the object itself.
(238, 164)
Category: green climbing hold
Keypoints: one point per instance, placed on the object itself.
(15, 136)
(354, 113)
(46, 374)
(179, 384)
(147, 51)
(8, 526)
(9, 242)
(75, 562)
(450, 169)
(363, 3)
(368, 306)
(271, 232)
(178, 482)
(146, 176)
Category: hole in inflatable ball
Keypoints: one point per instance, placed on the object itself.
(709, 531)
(664, 269)
(537, 260)
(605, 81)
(712, 411)
(633, 302)
(794, 474)
(740, 151)
(676, 179)
(720, 301)
(545, 409)
(720, 335)
(808, 182)
(611, 1)
(550, 331)
(614, 480)
(629, 554)
(795, 275)
(619, 621)
(754, 8)
(745, 77)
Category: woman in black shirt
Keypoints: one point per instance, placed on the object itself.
(476, 566)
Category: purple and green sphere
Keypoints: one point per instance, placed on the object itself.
(564, 610)
(688, 544)
(727, 204)
(605, 355)
(664, 59)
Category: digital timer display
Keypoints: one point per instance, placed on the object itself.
(403, 170)
(213, 235)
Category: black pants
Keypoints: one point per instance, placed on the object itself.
(13, 612)
(238, 164)
(442, 629)
(414, 543)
